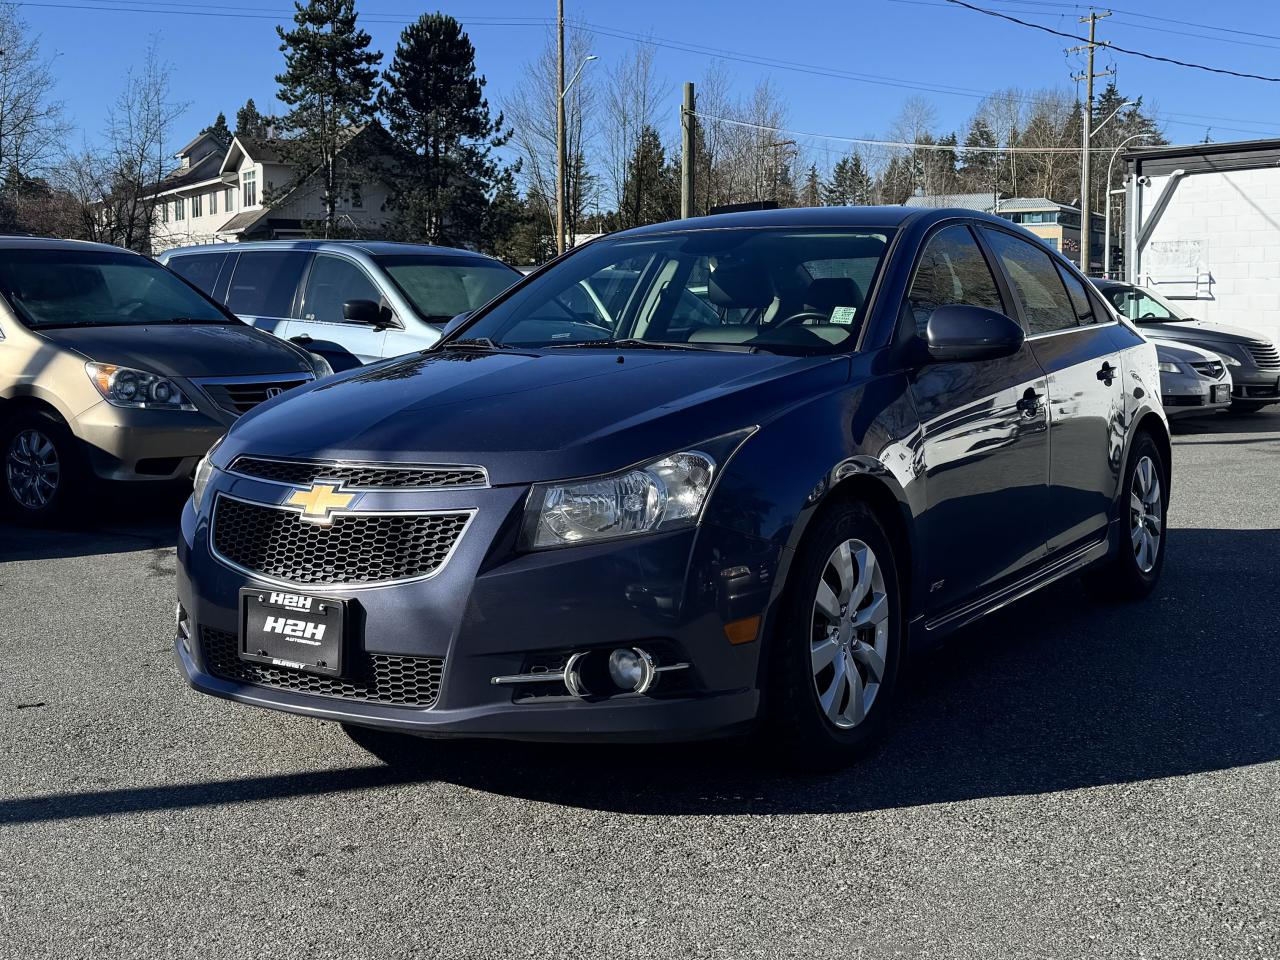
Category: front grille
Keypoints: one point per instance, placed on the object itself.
(240, 398)
(375, 678)
(1265, 355)
(1182, 401)
(1211, 369)
(360, 475)
(355, 548)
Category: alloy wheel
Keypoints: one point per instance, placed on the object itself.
(849, 636)
(1146, 514)
(32, 469)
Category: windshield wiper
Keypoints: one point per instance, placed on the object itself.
(626, 343)
(473, 343)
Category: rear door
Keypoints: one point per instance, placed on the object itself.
(331, 282)
(985, 436)
(1086, 390)
(263, 288)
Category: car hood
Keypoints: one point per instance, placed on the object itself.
(1174, 350)
(1200, 331)
(531, 416)
(183, 350)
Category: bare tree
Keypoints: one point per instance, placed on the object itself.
(634, 99)
(531, 110)
(32, 127)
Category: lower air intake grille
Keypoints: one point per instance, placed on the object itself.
(354, 548)
(1181, 401)
(359, 476)
(378, 678)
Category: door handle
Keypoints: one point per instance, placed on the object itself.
(1029, 405)
(300, 338)
(1107, 373)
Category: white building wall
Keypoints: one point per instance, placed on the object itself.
(1216, 249)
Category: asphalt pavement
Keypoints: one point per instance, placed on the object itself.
(1066, 779)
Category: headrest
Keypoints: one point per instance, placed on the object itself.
(739, 285)
(826, 293)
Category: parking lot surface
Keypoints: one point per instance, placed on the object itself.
(1065, 779)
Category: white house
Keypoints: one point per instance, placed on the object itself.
(1203, 229)
(246, 191)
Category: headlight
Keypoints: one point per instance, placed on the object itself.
(319, 365)
(1230, 360)
(1166, 367)
(663, 494)
(204, 472)
(124, 387)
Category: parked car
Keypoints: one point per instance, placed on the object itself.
(1253, 360)
(626, 526)
(1192, 381)
(349, 302)
(111, 367)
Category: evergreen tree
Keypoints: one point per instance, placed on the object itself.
(435, 109)
(328, 84)
(850, 184)
(250, 123)
(811, 190)
(219, 129)
(651, 192)
(978, 168)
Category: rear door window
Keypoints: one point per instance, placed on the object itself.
(1036, 282)
(200, 269)
(264, 283)
(332, 282)
(1079, 296)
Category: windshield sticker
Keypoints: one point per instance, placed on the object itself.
(843, 315)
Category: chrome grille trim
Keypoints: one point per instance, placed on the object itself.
(304, 586)
(238, 395)
(1264, 354)
(354, 475)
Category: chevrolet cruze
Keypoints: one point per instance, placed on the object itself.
(689, 480)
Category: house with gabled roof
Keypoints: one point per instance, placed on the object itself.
(247, 190)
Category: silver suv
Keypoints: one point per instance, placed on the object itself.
(350, 302)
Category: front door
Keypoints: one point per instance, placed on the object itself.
(986, 450)
(323, 329)
(1086, 390)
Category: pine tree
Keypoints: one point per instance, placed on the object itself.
(219, 129)
(811, 191)
(850, 184)
(328, 84)
(250, 123)
(978, 168)
(650, 193)
(435, 108)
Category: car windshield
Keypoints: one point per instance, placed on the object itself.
(1142, 306)
(93, 288)
(441, 287)
(795, 290)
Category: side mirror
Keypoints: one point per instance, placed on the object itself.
(363, 311)
(454, 323)
(959, 332)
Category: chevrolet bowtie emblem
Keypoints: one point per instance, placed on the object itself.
(319, 502)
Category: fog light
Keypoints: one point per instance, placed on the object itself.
(631, 669)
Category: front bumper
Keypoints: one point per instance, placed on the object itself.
(490, 612)
(129, 444)
(1254, 383)
(1187, 394)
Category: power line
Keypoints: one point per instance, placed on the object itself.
(1112, 46)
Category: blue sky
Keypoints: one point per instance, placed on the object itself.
(224, 52)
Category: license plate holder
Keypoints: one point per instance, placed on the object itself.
(1220, 393)
(294, 631)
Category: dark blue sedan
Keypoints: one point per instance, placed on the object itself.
(690, 480)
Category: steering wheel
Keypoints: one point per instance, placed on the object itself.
(1148, 316)
(804, 316)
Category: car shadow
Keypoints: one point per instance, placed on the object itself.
(120, 517)
(1266, 420)
(1058, 692)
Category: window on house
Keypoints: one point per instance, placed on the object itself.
(196, 205)
(249, 180)
(229, 199)
(164, 213)
(213, 201)
(178, 209)
(357, 201)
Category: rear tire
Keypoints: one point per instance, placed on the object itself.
(840, 637)
(1133, 572)
(43, 473)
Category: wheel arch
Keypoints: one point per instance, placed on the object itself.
(34, 399)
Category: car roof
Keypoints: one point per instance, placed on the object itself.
(368, 247)
(49, 243)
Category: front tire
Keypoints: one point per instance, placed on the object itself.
(837, 648)
(42, 469)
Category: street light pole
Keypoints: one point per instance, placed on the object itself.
(562, 185)
(1106, 220)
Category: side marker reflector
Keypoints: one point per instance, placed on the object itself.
(742, 631)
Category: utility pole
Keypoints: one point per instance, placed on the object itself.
(560, 158)
(1087, 121)
(688, 131)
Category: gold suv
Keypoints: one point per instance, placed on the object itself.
(114, 368)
